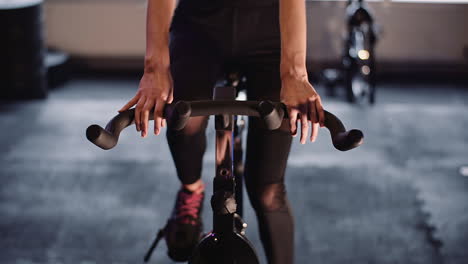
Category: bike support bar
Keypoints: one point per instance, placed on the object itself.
(177, 115)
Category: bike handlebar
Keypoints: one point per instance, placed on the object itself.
(177, 115)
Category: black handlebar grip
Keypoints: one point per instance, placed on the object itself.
(96, 133)
(107, 138)
(342, 140)
(178, 115)
(100, 137)
(348, 140)
(271, 114)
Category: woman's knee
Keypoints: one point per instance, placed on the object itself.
(270, 197)
(256, 125)
(195, 126)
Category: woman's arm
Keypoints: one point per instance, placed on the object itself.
(158, 20)
(296, 91)
(155, 88)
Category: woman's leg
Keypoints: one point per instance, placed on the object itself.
(266, 160)
(187, 147)
(197, 48)
(194, 70)
(267, 154)
(267, 151)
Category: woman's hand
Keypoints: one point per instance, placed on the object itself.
(154, 92)
(303, 104)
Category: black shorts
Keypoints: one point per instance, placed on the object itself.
(205, 40)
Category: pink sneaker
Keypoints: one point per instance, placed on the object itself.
(184, 227)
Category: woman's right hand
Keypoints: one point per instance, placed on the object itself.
(155, 90)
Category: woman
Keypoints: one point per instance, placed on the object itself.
(186, 50)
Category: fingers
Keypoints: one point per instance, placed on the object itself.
(158, 116)
(320, 111)
(130, 103)
(313, 120)
(138, 110)
(311, 111)
(303, 103)
(145, 116)
(304, 125)
(142, 115)
(293, 112)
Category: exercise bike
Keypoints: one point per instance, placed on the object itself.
(358, 59)
(226, 243)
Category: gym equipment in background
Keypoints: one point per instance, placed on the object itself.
(358, 59)
(22, 51)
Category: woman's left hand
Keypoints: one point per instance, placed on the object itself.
(304, 105)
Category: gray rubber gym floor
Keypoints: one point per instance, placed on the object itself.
(397, 199)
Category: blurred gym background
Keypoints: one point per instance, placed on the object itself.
(402, 197)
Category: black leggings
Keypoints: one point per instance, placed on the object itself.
(204, 40)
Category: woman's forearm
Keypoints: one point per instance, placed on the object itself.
(293, 37)
(158, 20)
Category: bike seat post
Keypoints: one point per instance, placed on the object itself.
(220, 93)
(223, 199)
(233, 87)
(224, 92)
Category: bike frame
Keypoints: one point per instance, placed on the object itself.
(227, 242)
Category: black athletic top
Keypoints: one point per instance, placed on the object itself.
(234, 3)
